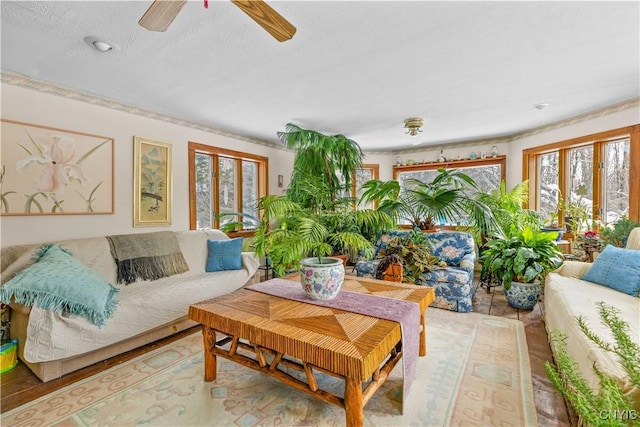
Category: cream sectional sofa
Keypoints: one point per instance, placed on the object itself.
(53, 344)
(567, 296)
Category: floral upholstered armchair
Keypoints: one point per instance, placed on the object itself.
(452, 278)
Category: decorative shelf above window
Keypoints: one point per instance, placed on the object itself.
(500, 161)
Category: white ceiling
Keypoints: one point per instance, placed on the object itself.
(472, 70)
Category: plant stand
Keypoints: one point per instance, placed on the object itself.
(488, 281)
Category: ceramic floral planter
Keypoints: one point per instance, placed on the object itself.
(321, 281)
(523, 295)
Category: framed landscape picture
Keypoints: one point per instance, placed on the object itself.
(50, 171)
(152, 182)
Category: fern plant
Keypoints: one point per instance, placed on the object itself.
(288, 232)
(609, 406)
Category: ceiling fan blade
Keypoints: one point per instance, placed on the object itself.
(160, 14)
(281, 29)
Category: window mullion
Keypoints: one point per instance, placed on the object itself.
(215, 188)
(598, 180)
(563, 181)
(240, 196)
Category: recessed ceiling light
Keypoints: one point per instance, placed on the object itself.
(541, 106)
(100, 44)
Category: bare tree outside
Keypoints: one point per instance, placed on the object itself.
(250, 194)
(204, 196)
(580, 171)
(549, 167)
(616, 185)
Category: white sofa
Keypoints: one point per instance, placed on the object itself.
(566, 297)
(52, 344)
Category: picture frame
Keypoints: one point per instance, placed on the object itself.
(152, 182)
(51, 171)
(280, 181)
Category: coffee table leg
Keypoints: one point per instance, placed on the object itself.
(210, 363)
(423, 335)
(353, 405)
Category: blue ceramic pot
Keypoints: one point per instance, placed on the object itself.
(523, 295)
(560, 232)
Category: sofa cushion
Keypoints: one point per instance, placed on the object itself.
(57, 281)
(452, 246)
(616, 268)
(224, 255)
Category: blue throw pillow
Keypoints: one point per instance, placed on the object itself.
(58, 281)
(224, 255)
(616, 268)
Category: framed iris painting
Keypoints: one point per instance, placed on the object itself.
(152, 182)
(50, 171)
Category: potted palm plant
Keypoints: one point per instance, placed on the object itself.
(422, 203)
(314, 219)
(521, 260)
(327, 161)
(295, 238)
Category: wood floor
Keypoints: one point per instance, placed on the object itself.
(19, 385)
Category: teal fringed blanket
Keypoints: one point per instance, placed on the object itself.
(147, 256)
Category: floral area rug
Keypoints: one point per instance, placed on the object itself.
(476, 372)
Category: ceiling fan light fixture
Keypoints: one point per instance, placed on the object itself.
(413, 125)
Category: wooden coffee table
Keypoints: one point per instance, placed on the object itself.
(269, 333)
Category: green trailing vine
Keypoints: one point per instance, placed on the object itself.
(609, 406)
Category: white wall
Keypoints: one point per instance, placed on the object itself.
(35, 107)
(39, 108)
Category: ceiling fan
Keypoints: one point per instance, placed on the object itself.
(161, 14)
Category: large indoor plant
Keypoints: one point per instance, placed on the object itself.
(520, 261)
(287, 232)
(446, 197)
(298, 238)
(508, 212)
(328, 161)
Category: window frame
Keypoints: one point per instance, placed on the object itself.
(375, 174)
(598, 140)
(238, 156)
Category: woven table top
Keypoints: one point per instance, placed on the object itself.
(338, 341)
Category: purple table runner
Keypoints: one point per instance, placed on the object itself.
(406, 313)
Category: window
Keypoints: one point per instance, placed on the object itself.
(487, 173)
(595, 170)
(223, 183)
(364, 174)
